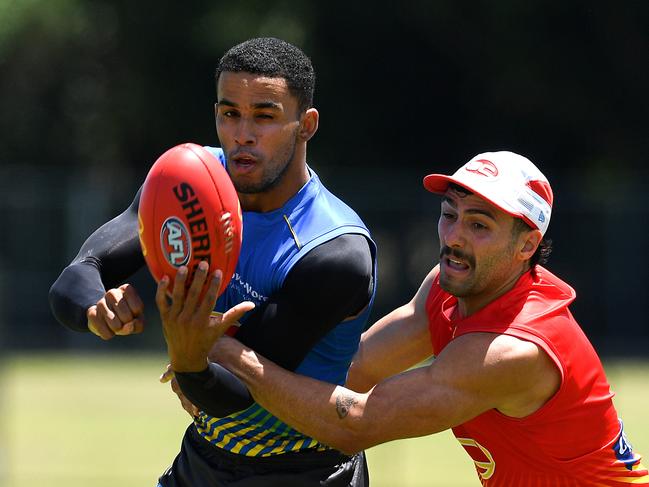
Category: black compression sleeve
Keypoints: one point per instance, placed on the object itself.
(331, 282)
(110, 255)
(204, 390)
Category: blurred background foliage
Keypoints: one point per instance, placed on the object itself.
(93, 91)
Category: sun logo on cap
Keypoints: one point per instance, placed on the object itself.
(484, 167)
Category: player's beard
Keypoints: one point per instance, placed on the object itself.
(272, 172)
(458, 289)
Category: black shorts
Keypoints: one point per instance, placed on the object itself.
(201, 464)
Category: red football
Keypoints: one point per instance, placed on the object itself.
(189, 211)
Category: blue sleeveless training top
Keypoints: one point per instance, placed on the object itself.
(272, 243)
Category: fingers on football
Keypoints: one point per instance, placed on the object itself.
(194, 292)
(178, 294)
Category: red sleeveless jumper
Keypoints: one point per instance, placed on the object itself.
(576, 438)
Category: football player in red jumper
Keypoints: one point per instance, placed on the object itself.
(514, 376)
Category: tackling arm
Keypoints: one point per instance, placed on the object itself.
(474, 373)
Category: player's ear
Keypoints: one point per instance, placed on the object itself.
(529, 242)
(308, 124)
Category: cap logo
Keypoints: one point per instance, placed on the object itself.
(483, 167)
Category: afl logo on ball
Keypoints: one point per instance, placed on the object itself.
(175, 242)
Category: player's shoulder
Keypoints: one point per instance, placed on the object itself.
(514, 376)
(331, 204)
(346, 255)
(500, 352)
(510, 348)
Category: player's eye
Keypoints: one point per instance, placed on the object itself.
(478, 226)
(226, 112)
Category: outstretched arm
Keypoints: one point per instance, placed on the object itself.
(110, 255)
(474, 373)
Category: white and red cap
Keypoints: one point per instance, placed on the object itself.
(506, 180)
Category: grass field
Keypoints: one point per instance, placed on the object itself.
(105, 421)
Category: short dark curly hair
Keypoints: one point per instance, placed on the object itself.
(275, 58)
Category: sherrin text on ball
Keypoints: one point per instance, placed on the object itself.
(189, 212)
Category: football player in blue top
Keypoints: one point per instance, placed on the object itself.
(307, 262)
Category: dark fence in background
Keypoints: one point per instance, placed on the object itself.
(594, 250)
(91, 92)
